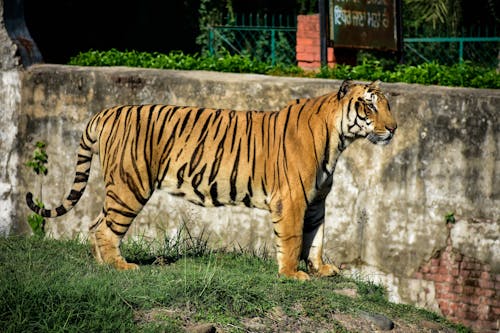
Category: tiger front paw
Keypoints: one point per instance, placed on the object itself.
(326, 270)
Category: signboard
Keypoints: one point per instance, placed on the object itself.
(369, 24)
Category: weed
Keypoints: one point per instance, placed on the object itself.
(450, 218)
(37, 164)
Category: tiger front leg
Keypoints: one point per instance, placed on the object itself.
(288, 225)
(312, 251)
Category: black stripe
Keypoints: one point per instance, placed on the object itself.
(300, 113)
(249, 133)
(122, 213)
(185, 121)
(235, 130)
(197, 181)
(304, 190)
(160, 178)
(84, 146)
(198, 114)
(163, 123)
(204, 132)
(82, 177)
(172, 112)
(218, 159)
(60, 210)
(118, 233)
(180, 175)
(135, 191)
(247, 201)
(326, 153)
(149, 142)
(249, 186)
(214, 194)
(234, 175)
(82, 159)
(195, 159)
(114, 196)
(263, 187)
(75, 195)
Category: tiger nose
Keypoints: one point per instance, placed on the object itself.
(391, 129)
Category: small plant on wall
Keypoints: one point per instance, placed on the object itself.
(37, 164)
(450, 218)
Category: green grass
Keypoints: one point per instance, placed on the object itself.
(51, 285)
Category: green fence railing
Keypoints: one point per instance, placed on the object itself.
(451, 50)
(274, 44)
(273, 39)
(269, 38)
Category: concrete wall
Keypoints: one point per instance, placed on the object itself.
(385, 215)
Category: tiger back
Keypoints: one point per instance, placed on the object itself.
(280, 161)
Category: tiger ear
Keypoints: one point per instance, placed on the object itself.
(374, 84)
(344, 87)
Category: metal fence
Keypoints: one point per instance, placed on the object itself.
(273, 39)
(268, 38)
(451, 50)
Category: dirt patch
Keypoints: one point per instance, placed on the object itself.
(276, 320)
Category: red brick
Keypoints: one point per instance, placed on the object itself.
(306, 42)
(443, 270)
(483, 310)
(453, 297)
(440, 277)
(469, 290)
(475, 274)
(443, 287)
(485, 275)
(486, 284)
(458, 288)
(472, 265)
(464, 273)
(471, 315)
(497, 277)
(435, 262)
(426, 269)
(471, 282)
(484, 327)
(418, 275)
(454, 306)
(476, 300)
(488, 293)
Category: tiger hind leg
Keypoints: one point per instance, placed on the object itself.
(105, 238)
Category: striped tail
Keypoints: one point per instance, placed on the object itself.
(80, 183)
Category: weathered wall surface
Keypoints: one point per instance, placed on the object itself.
(385, 214)
(10, 97)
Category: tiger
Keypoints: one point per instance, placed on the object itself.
(280, 161)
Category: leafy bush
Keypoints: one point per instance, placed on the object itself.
(465, 74)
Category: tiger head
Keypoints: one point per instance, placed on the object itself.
(366, 112)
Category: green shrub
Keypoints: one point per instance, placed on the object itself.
(465, 74)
